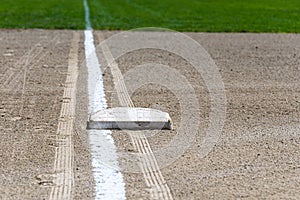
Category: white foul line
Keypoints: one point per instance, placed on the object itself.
(109, 183)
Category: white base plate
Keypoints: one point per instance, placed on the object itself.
(130, 119)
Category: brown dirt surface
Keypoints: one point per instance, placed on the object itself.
(256, 156)
(257, 153)
(33, 67)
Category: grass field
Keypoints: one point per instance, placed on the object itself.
(199, 15)
(181, 15)
(50, 14)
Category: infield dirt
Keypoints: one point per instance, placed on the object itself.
(257, 154)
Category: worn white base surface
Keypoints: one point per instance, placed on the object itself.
(130, 118)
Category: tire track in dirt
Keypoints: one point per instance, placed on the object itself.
(63, 164)
(148, 164)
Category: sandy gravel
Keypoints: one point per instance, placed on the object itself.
(257, 154)
(29, 114)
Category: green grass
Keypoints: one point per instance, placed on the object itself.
(198, 15)
(49, 14)
(181, 15)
